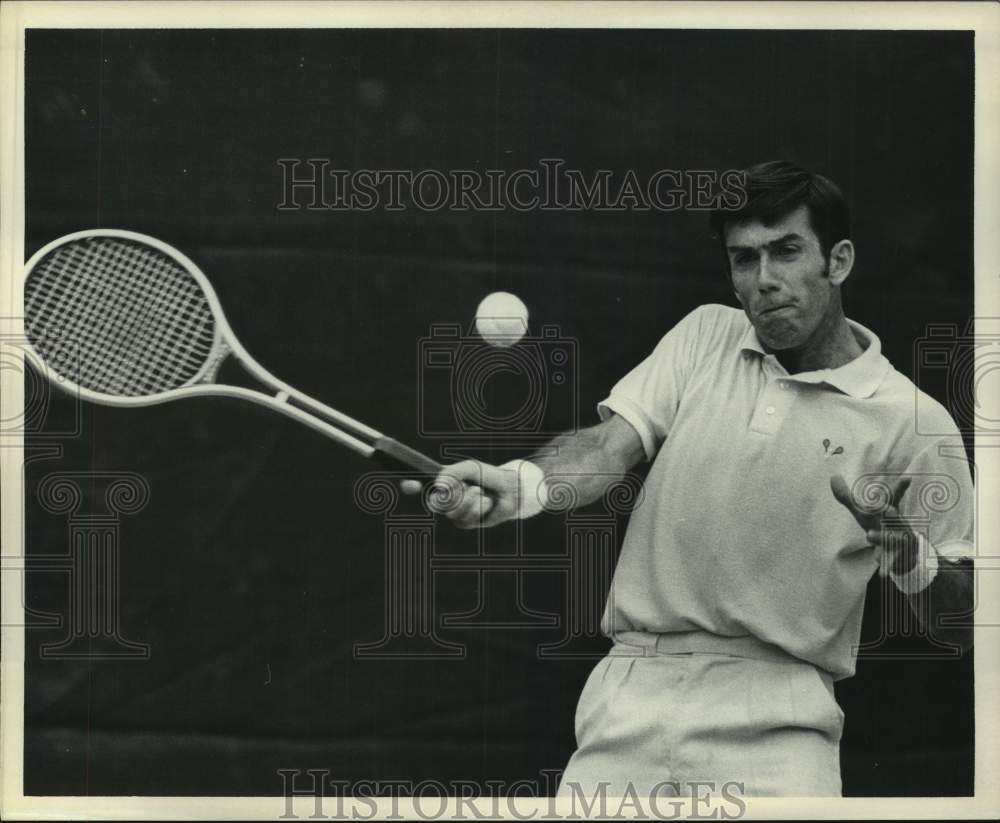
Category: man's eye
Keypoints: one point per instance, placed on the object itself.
(743, 259)
(788, 251)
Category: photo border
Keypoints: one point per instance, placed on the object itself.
(16, 17)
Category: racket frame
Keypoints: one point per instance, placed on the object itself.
(285, 399)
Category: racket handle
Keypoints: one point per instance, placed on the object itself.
(407, 456)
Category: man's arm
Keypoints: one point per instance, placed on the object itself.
(472, 493)
(950, 593)
(592, 459)
(907, 558)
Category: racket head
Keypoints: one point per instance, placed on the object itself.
(122, 318)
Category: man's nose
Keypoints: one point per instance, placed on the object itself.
(766, 280)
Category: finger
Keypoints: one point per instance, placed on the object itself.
(897, 495)
(467, 512)
(473, 509)
(892, 520)
(883, 561)
(411, 486)
(469, 472)
(497, 478)
(480, 509)
(445, 493)
(493, 482)
(501, 510)
(875, 536)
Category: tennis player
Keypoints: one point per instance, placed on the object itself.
(786, 470)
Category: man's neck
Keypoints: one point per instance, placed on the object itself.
(831, 346)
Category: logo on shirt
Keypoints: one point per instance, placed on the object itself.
(826, 449)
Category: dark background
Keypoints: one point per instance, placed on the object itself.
(251, 573)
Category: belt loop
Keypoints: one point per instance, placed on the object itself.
(637, 644)
(702, 642)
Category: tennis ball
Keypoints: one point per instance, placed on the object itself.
(502, 319)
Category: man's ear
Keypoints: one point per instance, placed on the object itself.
(841, 261)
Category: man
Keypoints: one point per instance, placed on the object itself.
(785, 471)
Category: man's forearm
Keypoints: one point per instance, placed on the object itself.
(950, 594)
(589, 460)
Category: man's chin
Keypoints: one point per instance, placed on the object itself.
(779, 339)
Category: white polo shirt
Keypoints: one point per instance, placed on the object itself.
(739, 533)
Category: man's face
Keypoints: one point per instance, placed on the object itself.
(781, 278)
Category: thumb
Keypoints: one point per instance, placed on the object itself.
(411, 486)
(840, 491)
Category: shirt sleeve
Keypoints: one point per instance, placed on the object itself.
(649, 395)
(940, 502)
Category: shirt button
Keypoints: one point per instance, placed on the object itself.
(769, 409)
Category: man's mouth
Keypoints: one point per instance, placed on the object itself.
(774, 309)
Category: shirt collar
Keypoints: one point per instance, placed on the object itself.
(860, 377)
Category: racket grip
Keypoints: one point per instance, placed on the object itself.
(407, 456)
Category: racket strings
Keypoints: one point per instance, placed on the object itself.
(118, 317)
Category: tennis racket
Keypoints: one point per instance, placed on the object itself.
(123, 319)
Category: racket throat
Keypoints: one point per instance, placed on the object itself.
(283, 398)
(381, 446)
(214, 363)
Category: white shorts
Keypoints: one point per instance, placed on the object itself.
(661, 711)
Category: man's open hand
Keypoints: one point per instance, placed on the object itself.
(886, 530)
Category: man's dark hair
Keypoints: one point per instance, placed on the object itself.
(775, 189)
